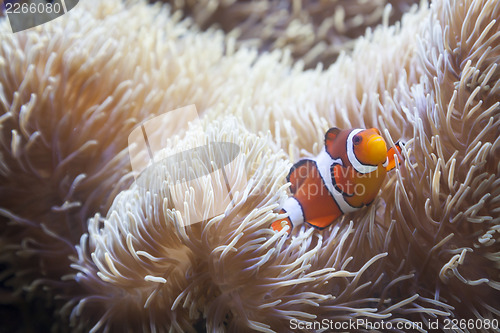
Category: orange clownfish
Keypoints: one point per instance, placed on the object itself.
(344, 177)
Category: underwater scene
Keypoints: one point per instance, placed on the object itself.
(250, 166)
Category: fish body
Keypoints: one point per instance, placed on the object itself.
(344, 177)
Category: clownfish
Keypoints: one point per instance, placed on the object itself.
(344, 177)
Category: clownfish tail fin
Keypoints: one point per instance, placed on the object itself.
(278, 225)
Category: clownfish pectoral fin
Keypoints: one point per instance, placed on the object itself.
(280, 224)
(342, 179)
(299, 173)
(391, 159)
(330, 135)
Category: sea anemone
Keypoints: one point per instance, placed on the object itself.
(111, 253)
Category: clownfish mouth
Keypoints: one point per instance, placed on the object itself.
(377, 150)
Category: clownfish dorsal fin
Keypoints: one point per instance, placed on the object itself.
(330, 135)
(299, 173)
(391, 160)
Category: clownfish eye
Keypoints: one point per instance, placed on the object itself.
(357, 139)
